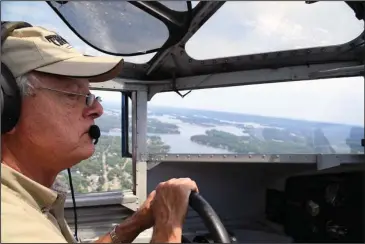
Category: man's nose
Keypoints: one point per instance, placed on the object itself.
(94, 111)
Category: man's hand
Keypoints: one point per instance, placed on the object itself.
(165, 209)
(169, 208)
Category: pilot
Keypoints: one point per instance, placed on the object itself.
(51, 135)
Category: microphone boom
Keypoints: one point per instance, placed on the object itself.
(94, 133)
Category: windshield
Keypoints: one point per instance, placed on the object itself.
(305, 117)
(251, 27)
(114, 27)
(43, 15)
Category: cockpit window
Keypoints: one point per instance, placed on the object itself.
(115, 27)
(251, 27)
(304, 117)
(43, 15)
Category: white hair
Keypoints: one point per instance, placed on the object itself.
(24, 83)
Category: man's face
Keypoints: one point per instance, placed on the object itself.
(56, 124)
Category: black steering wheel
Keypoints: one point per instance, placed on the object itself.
(211, 220)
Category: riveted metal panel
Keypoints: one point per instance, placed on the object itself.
(140, 146)
(323, 161)
(248, 77)
(117, 84)
(232, 158)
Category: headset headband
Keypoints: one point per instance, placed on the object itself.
(10, 94)
(7, 27)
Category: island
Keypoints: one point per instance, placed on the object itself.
(272, 142)
(201, 121)
(155, 126)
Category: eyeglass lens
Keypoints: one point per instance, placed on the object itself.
(90, 99)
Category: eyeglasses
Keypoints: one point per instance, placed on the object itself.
(90, 98)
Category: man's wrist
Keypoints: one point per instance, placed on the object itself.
(129, 229)
(125, 232)
(141, 221)
(113, 235)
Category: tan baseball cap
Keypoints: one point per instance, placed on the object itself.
(36, 48)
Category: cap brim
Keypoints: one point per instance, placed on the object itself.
(96, 69)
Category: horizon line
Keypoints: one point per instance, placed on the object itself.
(240, 113)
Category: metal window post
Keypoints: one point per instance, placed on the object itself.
(139, 141)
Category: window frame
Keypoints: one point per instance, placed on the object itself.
(125, 124)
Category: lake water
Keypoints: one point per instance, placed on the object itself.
(181, 143)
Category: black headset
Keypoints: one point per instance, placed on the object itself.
(10, 97)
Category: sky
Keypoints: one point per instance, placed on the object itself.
(240, 28)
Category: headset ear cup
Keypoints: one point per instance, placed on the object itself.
(11, 104)
(10, 95)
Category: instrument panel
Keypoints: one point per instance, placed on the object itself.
(320, 208)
